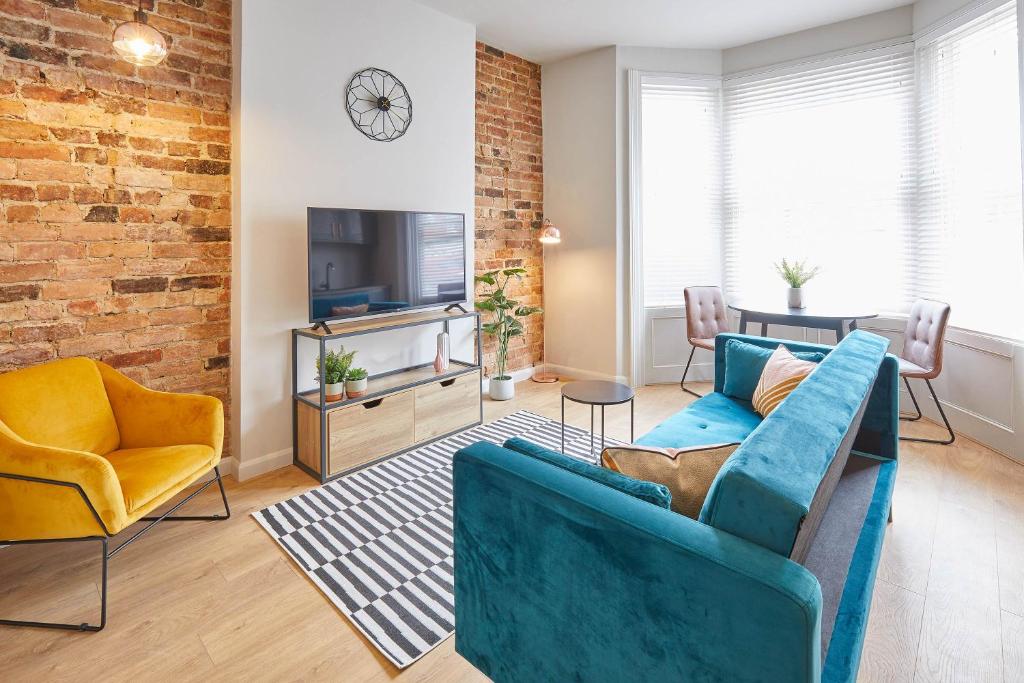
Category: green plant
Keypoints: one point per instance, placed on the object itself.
(336, 366)
(357, 373)
(796, 273)
(506, 314)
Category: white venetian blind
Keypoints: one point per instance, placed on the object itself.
(819, 165)
(971, 243)
(681, 182)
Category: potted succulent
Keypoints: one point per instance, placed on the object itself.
(336, 365)
(506, 322)
(355, 382)
(796, 275)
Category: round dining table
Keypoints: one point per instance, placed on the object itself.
(836, 317)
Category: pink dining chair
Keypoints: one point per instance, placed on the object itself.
(705, 318)
(921, 357)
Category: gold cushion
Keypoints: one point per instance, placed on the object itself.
(147, 473)
(781, 375)
(687, 472)
(61, 404)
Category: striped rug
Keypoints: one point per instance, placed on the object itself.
(378, 542)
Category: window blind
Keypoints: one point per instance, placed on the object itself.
(819, 165)
(970, 247)
(681, 186)
(439, 251)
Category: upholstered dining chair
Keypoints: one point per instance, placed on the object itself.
(921, 357)
(706, 317)
(86, 452)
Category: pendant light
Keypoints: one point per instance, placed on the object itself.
(139, 43)
(549, 234)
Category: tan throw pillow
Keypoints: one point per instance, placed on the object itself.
(782, 374)
(686, 472)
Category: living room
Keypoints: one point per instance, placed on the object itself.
(665, 340)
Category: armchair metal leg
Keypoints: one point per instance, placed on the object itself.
(682, 382)
(914, 399)
(200, 518)
(945, 420)
(103, 590)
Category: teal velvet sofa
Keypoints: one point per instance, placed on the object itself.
(562, 578)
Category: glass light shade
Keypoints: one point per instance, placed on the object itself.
(549, 234)
(139, 43)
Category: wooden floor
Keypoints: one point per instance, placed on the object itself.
(220, 601)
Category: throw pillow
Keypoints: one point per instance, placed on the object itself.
(687, 472)
(644, 490)
(782, 373)
(744, 364)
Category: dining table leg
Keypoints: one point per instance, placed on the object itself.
(853, 325)
(743, 322)
(839, 331)
(764, 329)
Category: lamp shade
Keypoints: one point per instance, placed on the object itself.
(139, 43)
(549, 234)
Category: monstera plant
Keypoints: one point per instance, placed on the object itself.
(505, 321)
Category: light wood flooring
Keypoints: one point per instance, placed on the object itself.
(220, 601)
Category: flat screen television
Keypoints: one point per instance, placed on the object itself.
(374, 262)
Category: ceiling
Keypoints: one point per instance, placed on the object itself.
(549, 30)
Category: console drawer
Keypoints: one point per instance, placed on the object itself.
(369, 430)
(446, 406)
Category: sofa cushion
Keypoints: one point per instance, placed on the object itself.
(715, 418)
(61, 404)
(644, 490)
(686, 472)
(744, 364)
(147, 473)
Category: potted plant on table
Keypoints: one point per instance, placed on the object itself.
(336, 366)
(506, 322)
(796, 275)
(355, 382)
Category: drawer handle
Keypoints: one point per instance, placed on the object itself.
(448, 382)
(373, 404)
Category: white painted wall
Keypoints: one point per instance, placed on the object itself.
(295, 147)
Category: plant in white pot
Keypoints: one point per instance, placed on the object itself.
(336, 365)
(796, 275)
(355, 382)
(506, 322)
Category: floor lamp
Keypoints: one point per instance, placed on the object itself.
(549, 234)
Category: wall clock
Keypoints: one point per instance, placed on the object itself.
(379, 105)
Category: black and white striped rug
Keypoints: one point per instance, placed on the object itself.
(378, 542)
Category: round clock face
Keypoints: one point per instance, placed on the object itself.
(379, 105)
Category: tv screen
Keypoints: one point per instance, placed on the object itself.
(372, 262)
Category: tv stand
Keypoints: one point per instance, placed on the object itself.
(452, 307)
(322, 324)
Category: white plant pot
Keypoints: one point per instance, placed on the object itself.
(501, 389)
(355, 387)
(796, 297)
(335, 391)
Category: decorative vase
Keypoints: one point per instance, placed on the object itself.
(334, 392)
(796, 297)
(355, 387)
(501, 388)
(443, 357)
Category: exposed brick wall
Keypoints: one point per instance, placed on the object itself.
(115, 219)
(510, 186)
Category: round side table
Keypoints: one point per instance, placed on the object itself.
(597, 393)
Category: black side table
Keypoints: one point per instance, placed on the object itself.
(597, 393)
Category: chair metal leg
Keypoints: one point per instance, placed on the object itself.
(914, 399)
(945, 421)
(103, 590)
(682, 382)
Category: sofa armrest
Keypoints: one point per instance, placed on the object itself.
(46, 492)
(560, 578)
(147, 418)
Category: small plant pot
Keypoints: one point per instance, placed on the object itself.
(796, 297)
(334, 392)
(501, 388)
(355, 387)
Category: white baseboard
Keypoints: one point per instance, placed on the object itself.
(229, 465)
(517, 376)
(263, 464)
(565, 372)
(972, 425)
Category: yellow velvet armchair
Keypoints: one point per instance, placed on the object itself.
(86, 452)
